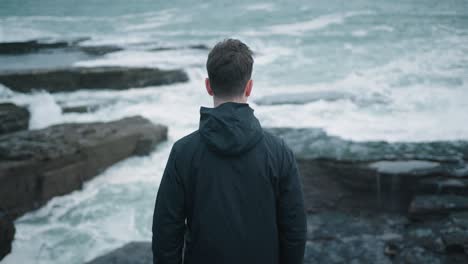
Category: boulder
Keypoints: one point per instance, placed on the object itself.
(348, 175)
(131, 253)
(7, 233)
(71, 79)
(13, 118)
(37, 165)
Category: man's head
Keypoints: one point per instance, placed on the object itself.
(229, 67)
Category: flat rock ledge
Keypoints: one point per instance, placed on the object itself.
(37, 45)
(72, 79)
(37, 165)
(374, 175)
(13, 118)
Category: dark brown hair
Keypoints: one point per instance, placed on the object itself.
(229, 67)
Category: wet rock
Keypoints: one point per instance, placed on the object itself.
(417, 255)
(426, 237)
(348, 175)
(441, 185)
(315, 143)
(21, 47)
(456, 240)
(7, 233)
(335, 237)
(460, 219)
(71, 79)
(195, 46)
(131, 253)
(437, 205)
(37, 165)
(35, 46)
(13, 118)
(80, 109)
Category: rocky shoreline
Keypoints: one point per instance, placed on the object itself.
(37, 165)
(371, 202)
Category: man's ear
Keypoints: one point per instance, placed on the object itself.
(248, 88)
(208, 87)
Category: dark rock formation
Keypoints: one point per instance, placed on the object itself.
(71, 79)
(343, 174)
(13, 118)
(131, 253)
(7, 233)
(337, 237)
(196, 47)
(37, 165)
(34, 46)
(80, 109)
(21, 47)
(437, 205)
(380, 202)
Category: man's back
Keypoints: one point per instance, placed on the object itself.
(231, 192)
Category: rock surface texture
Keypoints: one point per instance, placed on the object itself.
(37, 165)
(72, 79)
(347, 175)
(13, 118)
(380, 202)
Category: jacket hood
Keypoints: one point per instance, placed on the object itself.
(230, 129)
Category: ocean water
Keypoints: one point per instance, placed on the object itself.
(398, 71)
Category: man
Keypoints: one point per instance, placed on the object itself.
(230, 192)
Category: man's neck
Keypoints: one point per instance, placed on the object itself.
(219, 101)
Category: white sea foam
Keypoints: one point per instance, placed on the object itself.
(269, 7)
(359, 33)
(384, 28)
(44, 111)
(318, 23)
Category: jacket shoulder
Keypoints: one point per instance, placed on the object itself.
(278, 147)
(187, 142)
(274, 141)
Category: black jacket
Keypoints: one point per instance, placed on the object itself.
(230, 193)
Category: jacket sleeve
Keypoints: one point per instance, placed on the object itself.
(169, 217)
(292, 225)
